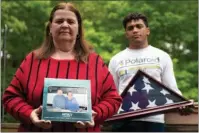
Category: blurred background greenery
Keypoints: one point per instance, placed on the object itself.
(173, 24)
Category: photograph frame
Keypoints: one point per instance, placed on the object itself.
(61, 112)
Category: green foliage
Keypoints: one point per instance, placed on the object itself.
(9, 118)
(173, 27)
(187, 78)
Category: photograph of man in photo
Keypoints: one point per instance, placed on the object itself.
(67, 99)
(59, 100)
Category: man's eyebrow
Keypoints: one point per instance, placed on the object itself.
(136, 24)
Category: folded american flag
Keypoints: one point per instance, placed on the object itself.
(144, 95)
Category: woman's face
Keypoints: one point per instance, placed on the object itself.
(64, 26)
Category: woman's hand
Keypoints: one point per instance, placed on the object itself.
(81, 124)
(34, 116)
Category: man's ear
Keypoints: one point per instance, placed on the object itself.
(125, 34)
(148, 31)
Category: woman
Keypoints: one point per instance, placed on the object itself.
(64, 54)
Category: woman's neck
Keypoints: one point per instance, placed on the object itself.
(59, 54)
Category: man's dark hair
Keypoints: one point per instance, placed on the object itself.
(135, 16)
(59, 88)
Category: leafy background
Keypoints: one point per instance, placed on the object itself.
(173, 26)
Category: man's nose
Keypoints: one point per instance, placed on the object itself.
(135, 29)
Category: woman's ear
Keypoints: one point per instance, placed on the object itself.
(49, 29)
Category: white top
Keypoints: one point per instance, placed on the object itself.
(155, 62)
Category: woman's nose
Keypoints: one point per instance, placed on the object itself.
(65, 24)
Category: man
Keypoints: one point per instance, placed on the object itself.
(71, 102)
(140, 55)
(59, 100)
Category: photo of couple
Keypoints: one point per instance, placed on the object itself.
(63, 100)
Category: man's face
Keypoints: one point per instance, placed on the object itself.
(137, 32)
(59, 92)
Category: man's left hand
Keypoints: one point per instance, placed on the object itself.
(185, 110)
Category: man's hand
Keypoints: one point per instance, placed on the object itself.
(34, 116)
(186, 110)
(81, 124)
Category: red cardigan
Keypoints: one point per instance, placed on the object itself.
(25, 90)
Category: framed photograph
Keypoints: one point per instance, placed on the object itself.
(145, 95)
(66, 100)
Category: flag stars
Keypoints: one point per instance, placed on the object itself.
(164, 92)
(135, 106)
(131, 90)
(168, 101)
(146, 80)
(151, 103)
(147, 88)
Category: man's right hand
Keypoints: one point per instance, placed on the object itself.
(34, 116)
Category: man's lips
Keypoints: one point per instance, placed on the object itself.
(137, 36)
